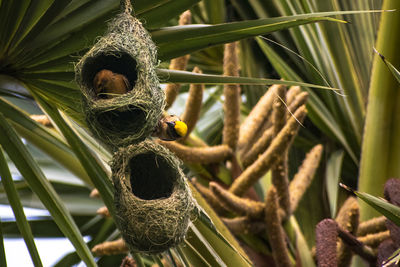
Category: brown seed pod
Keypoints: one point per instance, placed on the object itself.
(279, 171)
(231, 129)
(392, 191)
(199, 154)
(356, 246)
(347, 218)
(180, 63)
(251, 174)
(128, 262)
(254, 121)
(258, 148)
(300, 100)
(244, 225)
(302, 179)
(374, 225)
(209, 196)
(326, 238)
(42, 119)
(111, 248)
(241, 206)
(394, 232)
(193, 104)
(276, 234)
(373, 240)
(385, 250)
(292, 93)
(103, 211)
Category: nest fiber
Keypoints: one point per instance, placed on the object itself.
(152, 198)
(125, 49)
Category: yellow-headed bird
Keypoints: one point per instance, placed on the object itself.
(170, 128)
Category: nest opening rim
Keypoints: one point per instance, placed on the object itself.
(117, 62)
(151, 176)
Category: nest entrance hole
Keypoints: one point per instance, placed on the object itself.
(118, 62)
(151, 176)
(123, 121)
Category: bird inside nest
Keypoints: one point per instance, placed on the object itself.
(170, 128)
(108, 84)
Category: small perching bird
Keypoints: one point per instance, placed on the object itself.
(170, 128)
(108, 84)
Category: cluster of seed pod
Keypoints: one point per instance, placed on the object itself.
(375, 240)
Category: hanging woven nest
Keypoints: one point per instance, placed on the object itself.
(152, 198)
(121, 95)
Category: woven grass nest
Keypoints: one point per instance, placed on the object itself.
(152, 198)
(128, 118)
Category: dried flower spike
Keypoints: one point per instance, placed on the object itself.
(42, 119)
(240, 206)
(128, 262)
(373, 240)
(199, 154)
(372, 226)
(193, 104)
(111, 248)
(244, 225)
(275, 232)
(180, 63)
(231, 129)
(304, 176)
(356, 246)
(326, 238)
(392, 191)
(292, 93)
(269, 157)
(209, 196)
(256, 118)
(300, 100)
(394, 231)
(385, 250)
(347, 218)
(258, 148)
(95, 193)
(279, 171)
(103, 211)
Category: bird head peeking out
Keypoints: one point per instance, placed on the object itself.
(108, 84)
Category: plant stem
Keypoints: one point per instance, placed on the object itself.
(381, 147)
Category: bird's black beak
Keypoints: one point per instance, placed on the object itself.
(171, 130)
